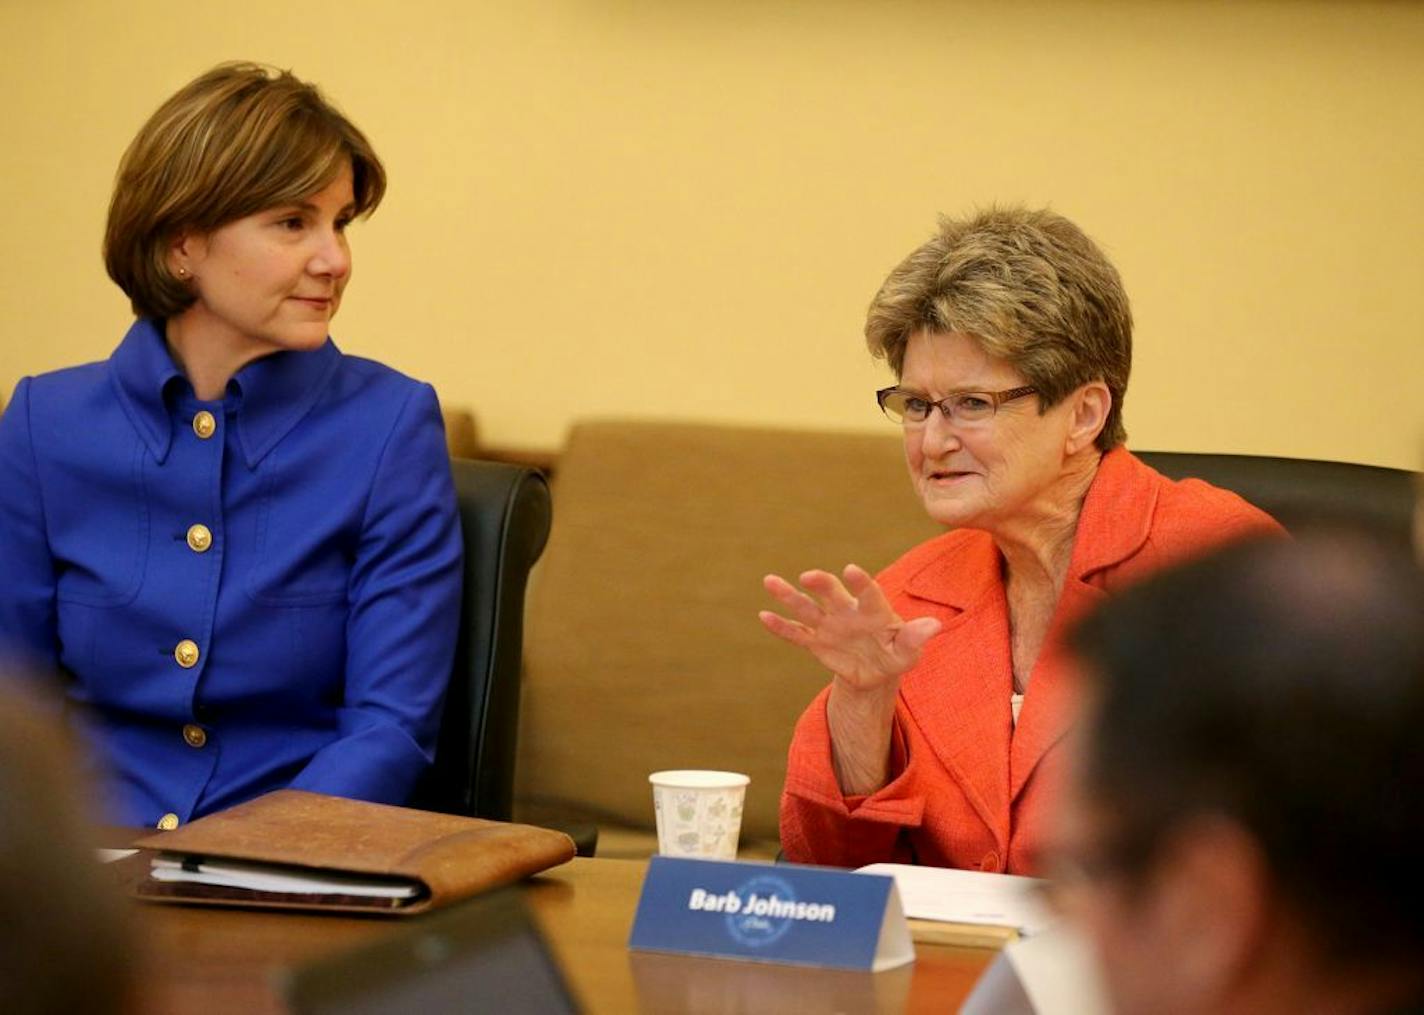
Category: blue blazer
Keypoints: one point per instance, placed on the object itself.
(242, 595)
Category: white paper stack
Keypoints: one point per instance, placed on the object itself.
(259, 877)
(946, 895)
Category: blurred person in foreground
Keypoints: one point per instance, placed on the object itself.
(1010, 337)
(65, 940)
(237, 543)
(1244, 824)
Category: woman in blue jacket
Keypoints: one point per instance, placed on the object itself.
(238, 545)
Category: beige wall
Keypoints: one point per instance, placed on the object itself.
(681, 207)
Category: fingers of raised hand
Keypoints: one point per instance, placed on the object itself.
(833, 595)
(857, 579)
(802, 607)
(787, 630)
(866, 591)
(914, 633)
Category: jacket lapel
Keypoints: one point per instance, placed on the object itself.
(1113, 526)
(958, 696)
(1051, 700)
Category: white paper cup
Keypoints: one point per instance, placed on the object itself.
(699, 812)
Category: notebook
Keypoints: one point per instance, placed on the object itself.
(299, 850)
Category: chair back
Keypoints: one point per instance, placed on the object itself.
(1301, 492)
(505, 515)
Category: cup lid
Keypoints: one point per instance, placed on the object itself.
(698, 778)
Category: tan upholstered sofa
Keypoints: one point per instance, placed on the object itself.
(642, 646)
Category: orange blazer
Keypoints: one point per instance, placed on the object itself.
(967, 788)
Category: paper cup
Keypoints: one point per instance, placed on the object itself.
(699, 812)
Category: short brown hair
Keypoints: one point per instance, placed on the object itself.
(239, 139)
(1031, 287)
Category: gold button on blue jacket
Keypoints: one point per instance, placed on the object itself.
(324, 604)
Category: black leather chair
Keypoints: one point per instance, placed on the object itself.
(1302, 493)
(505, 513)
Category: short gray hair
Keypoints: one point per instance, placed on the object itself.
(1031, 287)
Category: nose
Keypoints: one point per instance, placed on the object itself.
(938, 435)
(332, 256)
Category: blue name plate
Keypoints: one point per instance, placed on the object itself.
(810, 916)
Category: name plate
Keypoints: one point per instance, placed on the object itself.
(809, 916)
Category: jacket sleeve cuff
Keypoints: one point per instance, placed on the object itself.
(811, 777)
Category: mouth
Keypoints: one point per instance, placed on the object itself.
(946, 477)
(322, 303)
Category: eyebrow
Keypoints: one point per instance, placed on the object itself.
(307, 206)
(953, 391)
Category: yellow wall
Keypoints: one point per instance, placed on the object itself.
(681, 207)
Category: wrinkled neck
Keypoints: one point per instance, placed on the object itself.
(1037, 543)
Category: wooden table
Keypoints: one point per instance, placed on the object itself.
(215, 961)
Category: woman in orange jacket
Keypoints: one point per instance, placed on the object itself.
(937, 740)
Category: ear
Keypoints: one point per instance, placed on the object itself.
(1214, 903)
(185, 251)
(1091, 405)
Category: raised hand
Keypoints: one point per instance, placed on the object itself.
(850, 628)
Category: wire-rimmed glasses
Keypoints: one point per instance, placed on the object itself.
(911, 408)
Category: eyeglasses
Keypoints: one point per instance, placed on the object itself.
(965, 407)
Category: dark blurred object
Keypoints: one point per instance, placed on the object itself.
(505, 514)
(65, 943)
(1303, 493)
(1244, 829)
(481, 955)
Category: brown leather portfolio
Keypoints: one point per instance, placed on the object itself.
(421, 859)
